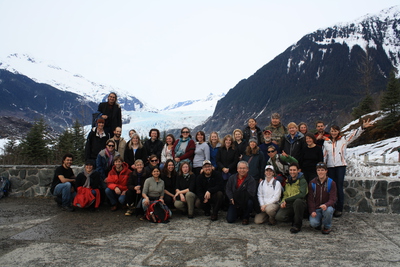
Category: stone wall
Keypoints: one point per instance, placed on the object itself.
(373, 195)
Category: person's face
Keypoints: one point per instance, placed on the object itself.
(252, 145)
(242, 169)
(131, 133)
(110, 147)
(228, 142)
(185, 133)
(153, 161)
(214, 138)
(275, 121)
(309, 141)
(267, 137)
(153, 135)
(238, 136)
(252, 123)
(293, 171)
(118, 164)
(271, 152)
(207, 169)
(135, 140)
(67, 162)
(89, 168)
(169, 140)
(170, 166)
(155, 173)
(117, 132)
(100, 125)
(185, 168)
(334, 133)
(269, 173)
(320, 127)
(292, 130)
(199, 137)
(321, 172)
(303, 129)
(111, 98)
(139, 166)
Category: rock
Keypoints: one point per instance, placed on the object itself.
(364, 206)
(380, 190)
(395, 207)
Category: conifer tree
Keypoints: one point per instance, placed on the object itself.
(35, 147)
(391, 97)
(364, 107)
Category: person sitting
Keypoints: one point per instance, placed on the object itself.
(241, 191)
(153, 190)
(63, 183)
(168, 175)
(321, 199)
(293, 203)
(105, 159)
(88, 185)
(153, 162)
(117, 181)
(135, 187)
(185, 188)
(269, 195)
(209, 190)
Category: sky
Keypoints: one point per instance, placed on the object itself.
(167, 51)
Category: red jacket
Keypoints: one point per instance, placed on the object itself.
(189, 152)
(119, 180)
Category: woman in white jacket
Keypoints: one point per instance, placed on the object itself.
(334, 149)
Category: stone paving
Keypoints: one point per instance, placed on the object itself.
(34, 232)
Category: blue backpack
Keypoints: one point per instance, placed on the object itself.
(329, 185)
(5, 186)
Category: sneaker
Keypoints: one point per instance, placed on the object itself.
(67, 208)
(295, 230)
(271, 222)
(337, 214)
(214, 217)
(245, 222)
(58, 200)
(326, 231)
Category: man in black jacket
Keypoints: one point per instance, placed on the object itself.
(111, 113)
(209, 187)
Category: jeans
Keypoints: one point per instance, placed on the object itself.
(232, 214)
(114, 197)
(323, 217)
(64, 190)
(337, 174)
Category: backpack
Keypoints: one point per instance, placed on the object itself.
(329, 185)
(95, 117)
(5, 186)
(157, 212)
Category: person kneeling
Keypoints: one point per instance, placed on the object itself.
(241, 190)
(321, 198)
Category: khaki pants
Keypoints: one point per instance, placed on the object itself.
(269, 213)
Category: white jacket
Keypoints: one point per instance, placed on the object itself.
(267, 194)
(335, 152)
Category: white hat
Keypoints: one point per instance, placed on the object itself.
(269, 167)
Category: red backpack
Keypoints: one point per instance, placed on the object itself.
(157, 212)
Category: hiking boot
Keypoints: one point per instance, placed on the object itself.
(58, 200)
(114, 208)
(214, 217)
(129, 212)
(318, 228)
(337, 214)
(295, 230)
(245, 222)
(67, 208)
(326, 231)
(271, 222)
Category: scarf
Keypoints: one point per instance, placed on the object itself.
(186, 176)
(87, 182)
(178, 152)
(110, 157)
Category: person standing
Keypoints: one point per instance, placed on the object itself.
(184, 147)
(293, 143)
(63, 183)
(268, 142)
(320, 135)
(311, 155)
(111, 113)
(277, 129)
(120, 143)
(154, 145)
(96, 140)
(334, 150)
(201, 153)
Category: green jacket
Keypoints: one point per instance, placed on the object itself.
(298, 189)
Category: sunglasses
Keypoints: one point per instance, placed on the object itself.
(110, 145)
(271, 151)
(154, 160)
(321, 165)
(185, 132)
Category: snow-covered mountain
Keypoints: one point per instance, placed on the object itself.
(207, 103)
(51, 74)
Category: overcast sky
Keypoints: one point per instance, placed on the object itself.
(167, 51)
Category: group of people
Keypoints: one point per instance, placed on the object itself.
(273, 174)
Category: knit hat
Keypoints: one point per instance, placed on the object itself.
(253, 139)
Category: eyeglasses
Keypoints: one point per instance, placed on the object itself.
(271, 151)
(110, 145)
(154, 160)
(185, 132)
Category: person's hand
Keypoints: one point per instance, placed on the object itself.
(283, 204)
(367, 123)
(146, 202)
(232, 201)
(284, 153)
(207, 195)
(323, 207)
(183, 199)
(314, 214)
(104, 117)
(177, 160)
(162, 200)
(117, 191)
(133, 167)
(123, 193)
(263, 207)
